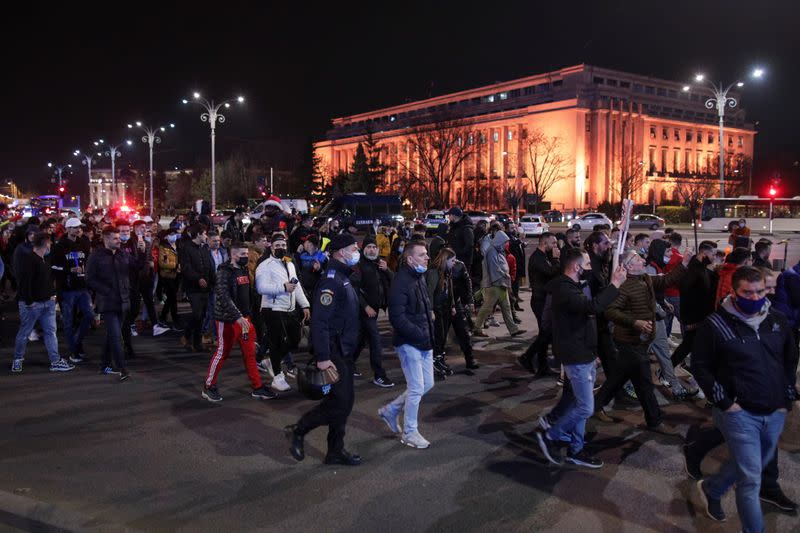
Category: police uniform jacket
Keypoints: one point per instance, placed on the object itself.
(335, 320)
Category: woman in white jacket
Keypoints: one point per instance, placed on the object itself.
(281, 294)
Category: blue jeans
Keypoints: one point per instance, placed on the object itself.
(45, 314)
(575, 406)
(752, 442)
(70, 300)
(418, 370)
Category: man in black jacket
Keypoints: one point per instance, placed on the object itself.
(198, 273)
(462, 236)
(543, 266)
(745, 358)
(516, 247)
(232, 293)
(411, 315)
(234, 227)
(69, 257)
(108, 275)
(372, 279)
(134, 248)
(37, 303)
(439, 240)
(575, 344)
(698, 292)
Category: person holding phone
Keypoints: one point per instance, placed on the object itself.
(281, 293)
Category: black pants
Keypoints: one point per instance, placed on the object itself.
(258, 318)
(198, 301)
(128, 319)
(334, 409)
(146, 291)
(444, 319)
(633, 363)
(706, 439)
(113, 347)
(170, 288)
(685, 347)
(538, 347)
(284, 335)
(371, 336)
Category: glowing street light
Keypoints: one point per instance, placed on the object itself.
(88, 160)
(719, 99)
(58, 170)
(151, 137)
(212, 116)
(113, 152)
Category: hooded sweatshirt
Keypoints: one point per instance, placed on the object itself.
(495, 266)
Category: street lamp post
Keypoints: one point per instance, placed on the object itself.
(151, 137)
(212, 116)
(87, 160)
(113, 152)
(719, 100)
(59, 169)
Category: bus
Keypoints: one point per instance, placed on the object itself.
(50, 204)
(717, 214)
(361, 209)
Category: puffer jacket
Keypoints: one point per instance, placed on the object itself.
(271, 275)
(231, 293)
(637, 301)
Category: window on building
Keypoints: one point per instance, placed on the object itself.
(495, 136)
(515, 93)
(664, 134)
(661, 91)
(651, 154)
(740, 142)
(699, 137)
(490, 98)
(710, 138)
(687, 164)
(598, 81)
(652, 132)
(677, 133)
(530, 90)
(504, 96)
(688, 136)
(558, 83)
(676, 161)
(612, 83)
(625, 84)
(672, 93)
(510, 135)
(730, 141)
(663, 160)
(471, 140)
(483, 138)
(648, 89)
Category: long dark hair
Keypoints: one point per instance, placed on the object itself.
(655, 254)
(440, 263)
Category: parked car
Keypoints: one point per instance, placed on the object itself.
(502, 218)
(432, 221)
(220, 217)
(588, 221)
(553, 215)
(533, 225)
(477, 216)
(648, 221)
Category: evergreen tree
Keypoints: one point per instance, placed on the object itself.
(320, 193)
(376, 169)
(360, 178)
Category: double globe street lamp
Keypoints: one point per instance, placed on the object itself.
(212, 115)
(113, 152)
(59, 169)
(720, 100)
(150, 137)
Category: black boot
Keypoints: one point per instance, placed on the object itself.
(444, 368)
(296, 442)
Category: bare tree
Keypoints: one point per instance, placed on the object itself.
(546, 160)
(691, 193)
(513, 193)
(632, 178)
(437, 152)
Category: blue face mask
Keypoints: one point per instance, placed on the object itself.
(172, 238)
(353, 259)
(420, 269)
(750, 307)
(124, 238)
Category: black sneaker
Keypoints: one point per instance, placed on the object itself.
(263, 393)
(713, 506)
(778, 499)
(212, 394)
(691, 464)
(343, 458)
(124, 375)
(356, 372)
(547, 446)
(525, 363)
(77, 358)
(383, 381)
(583, 459)
(296, 447)
(472, 364)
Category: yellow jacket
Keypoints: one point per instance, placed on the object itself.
(384, 244)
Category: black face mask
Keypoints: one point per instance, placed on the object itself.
(242, 261)
(706, 261)
(278, 253)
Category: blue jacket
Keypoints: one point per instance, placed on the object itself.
(787, 295)
(410, 310)
(335, 322)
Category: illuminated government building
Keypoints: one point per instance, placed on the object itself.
(599, 114)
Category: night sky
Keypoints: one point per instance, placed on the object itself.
(74, 73)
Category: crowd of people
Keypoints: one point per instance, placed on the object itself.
(286, 276)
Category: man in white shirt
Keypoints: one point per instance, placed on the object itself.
(276, 282)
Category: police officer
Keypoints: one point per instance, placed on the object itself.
(335, 323)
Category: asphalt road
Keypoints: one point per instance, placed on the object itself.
(83, 452)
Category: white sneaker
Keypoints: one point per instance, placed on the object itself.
(493, 322)
(159, 330)
(673, 343)
(279, 383)
(134, 333)
(415, 440)
(265, 367)
(33, 337)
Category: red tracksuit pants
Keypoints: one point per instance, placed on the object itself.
(228, 334)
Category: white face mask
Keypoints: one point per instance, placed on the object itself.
(353, 259)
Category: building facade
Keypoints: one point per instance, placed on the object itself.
(101, 187)
(610, 126)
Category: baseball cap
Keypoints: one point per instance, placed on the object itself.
(455, 211)
(73, 223)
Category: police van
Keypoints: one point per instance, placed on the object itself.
(361, 209)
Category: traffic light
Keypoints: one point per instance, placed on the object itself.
(61, 191)
(772, 191)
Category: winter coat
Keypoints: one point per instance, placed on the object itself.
(108, 275)
(462, 239)
(410, 310)
(271, 275)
